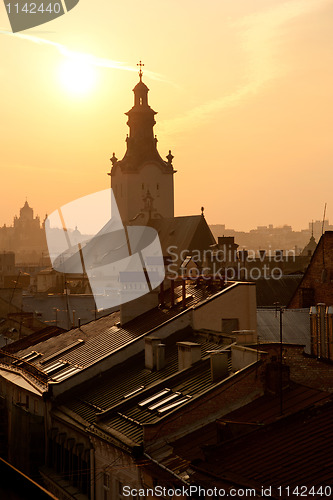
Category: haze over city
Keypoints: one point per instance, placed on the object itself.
(242, 90)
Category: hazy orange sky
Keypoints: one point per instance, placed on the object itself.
(243, 92)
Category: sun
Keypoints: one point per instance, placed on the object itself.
(77, 76)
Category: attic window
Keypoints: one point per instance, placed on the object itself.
(173, 405)
(164, 401)
(66, 374)
(152, 398)
(28, 357)
(59, 365)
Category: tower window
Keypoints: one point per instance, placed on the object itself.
(140, 101)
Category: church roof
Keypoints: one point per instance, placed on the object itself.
(310, 247)
(140, 86)
(190, 232)
(26, 207)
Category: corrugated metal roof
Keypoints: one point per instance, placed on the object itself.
(102, 337)
(296, 326)
(125, 378)
(192, 382)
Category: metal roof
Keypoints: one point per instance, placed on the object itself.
(270, 291)
(296, 326)
(81, 347)
(129, 418)
(117, 384)
(264, 410)
(291, 452)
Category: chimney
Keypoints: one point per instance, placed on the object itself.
(151, 344)
(245, 336)
(274, 377)
(188, 353)
(219, 365)
(160, 356)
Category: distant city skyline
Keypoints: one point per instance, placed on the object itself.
(246, 107)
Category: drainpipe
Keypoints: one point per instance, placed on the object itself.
(92, 470)
(172, 292)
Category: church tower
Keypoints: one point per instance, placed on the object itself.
(142, 181)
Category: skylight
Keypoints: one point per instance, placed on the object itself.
(152, 398)
(165, 400)
(173, 405)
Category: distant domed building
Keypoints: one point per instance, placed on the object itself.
(26, 237)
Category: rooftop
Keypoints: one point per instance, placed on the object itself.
(291, 452)
(190, 452)
(60, 357)
(130, 395)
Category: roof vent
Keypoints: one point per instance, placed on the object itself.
(245, 336)
(219, 365)
(188, 353)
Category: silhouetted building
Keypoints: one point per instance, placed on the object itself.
(316, 285)
(26, 237)
(142, 182)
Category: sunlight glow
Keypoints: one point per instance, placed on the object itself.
(77, 76)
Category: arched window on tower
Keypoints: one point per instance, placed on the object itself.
(140, 101)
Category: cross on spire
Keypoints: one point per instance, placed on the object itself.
(140, 72)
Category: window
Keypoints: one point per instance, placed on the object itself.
(120, 495)
(106, 486)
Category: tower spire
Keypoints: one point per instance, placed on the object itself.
(140, 64)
